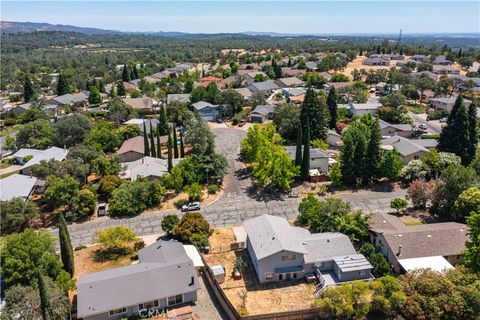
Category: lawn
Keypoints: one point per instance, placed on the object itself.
(8, 174)
(417, 109)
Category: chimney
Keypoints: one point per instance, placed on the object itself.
(399, 250)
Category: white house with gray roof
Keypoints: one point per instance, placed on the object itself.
(146, 167)
(266, 87)
(208, 111)
(165, 277)
(261, 113)
(52, 153)
(16, 186)
(319, 159)
(359, 109)
(446, 103)
(408, 149)
(390, 129)
(280, 252)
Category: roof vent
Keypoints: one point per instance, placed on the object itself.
(461, 230)
(429, 236)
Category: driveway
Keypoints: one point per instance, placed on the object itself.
(238, 203)
(433, 127)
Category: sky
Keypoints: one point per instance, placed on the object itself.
(328, 17)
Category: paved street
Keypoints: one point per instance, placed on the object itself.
(433, 126)
(238, 203)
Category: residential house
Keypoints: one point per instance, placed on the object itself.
(420, 58)
(359, 109)
(445, 69)
(294, 95)
(311, 65)
(164, 278)
(133, 149)
(181, 97)
(16, 186)
(69, 99)
(52, 153)
(280, 252)
(141, 122)
(146, 167)
(267, 87)
(427, 243)
(397, 57)
(21, 108)
(205, 81)
(19, 156)
(289, 82)
(261, 113)
(246, 94)
(337, 85)
(292, 72)
(208, 111)
(376, 61)
(446, 103)
(390, 130)
(427, 143)
(334, 139)
(319, 159)
(429, 74)
(441, 61)
(408, 149)
(249, 75)
(143, 103)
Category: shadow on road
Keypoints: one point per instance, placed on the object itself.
(264, 194)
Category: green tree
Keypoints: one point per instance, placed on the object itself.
(298, 149)
(28, 91)
(162, 126)
(84, 153)
(332, 107)
(193, 228)
(121, 91)
(199, 136)
(94, 96)
(152, 143)
(116, 239)
(373, 157)
(63, 86)
(125, 73)
(37, 134)
(468, 201)
(472, 132)
(175, 143)
(188, 86)
(305, 168)
(169, 222)
(146, 147)
(398, 204)
(316, 113)
(102, 137)
(131, 198)
(66, 249)
(24, 253)
(198, 94)
(353, 154)
(70, 131)
(119, 111)
(287, 120)
(106, 165)
(15, 214)
(455, 135)
(61, 191)
(472, 254)
(169, 153)
(391, 164)
(257, 137)
(212, 93)
(182, 148)
(194, 191)
(45, 306)
(231, 98)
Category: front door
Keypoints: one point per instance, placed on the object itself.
(288, 276)
(280, 277)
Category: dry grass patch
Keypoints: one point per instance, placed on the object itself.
(221, 239)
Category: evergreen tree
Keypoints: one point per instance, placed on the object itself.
(45, 306)
(175, 143)
(298, 150)
(112, 92)
(455, 135)
(289, 64)
(94, 96)
(276, 69)
(101, 86)
(28, 90)
(121, 91)
(132, 73)
(163, 122)
(472, 131)
(62, 85)
(373, 155)
(169, 150)
(159, 144)
(305, 169)
(146, 148)
(332, 107)
(152, 142)
(135, 72)
(125, 73)
(352, 157)
(88, 86)
(182, 148)
(66, 249)
(316, 115)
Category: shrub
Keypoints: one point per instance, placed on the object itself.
(213, 189)
(398, 204)
(435, 115)
(10, 122)
(194, 192)
(179, 203)
(80, 248)
(115, 241)
(430, 136)
(193, 228)
(140, 244)
(169, 222)
(420, 192)
(27, 158)
(234, 121)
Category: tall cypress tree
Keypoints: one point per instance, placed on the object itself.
(125, 73)
(182, 148)
(146, 148)
(66, 248)
(152, 142)
(472, 131)
(159, 144)
(372, 156)
(163, 121)
(27, 89)
(135, 72)
(45, 306)
(298, 150)
(455, 135)
(315, 113)
(62, 85)
(306, 153)
(169, 150)
(121, 91)
(175, 143)
(332, 107)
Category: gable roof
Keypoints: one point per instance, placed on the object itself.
(21, 153)
(245, 92)
(139, 103)
(134, 144)
(164, 270)
(52, 153)
(263, 86)
(403, 146)
(139, 123)
(269, 235)
(290, 81)
(202, 105)
(16, 185)
(399, 127)
(324, 246)
(315, 153)
(263, 110)
(182, 97)
(69, 98)
(146, 167)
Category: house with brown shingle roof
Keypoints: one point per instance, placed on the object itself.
(400, 243)
(139, 103)
(134, 148)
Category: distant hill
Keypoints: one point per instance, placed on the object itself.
(19, 27)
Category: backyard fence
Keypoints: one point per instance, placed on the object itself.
(312, 313)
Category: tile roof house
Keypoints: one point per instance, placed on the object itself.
(319, 159)
(280, 252)
(164, 277)
(205, 81)
(16, 186)
(289, 82)
(52, 153)
(408, 149)
(399, 242)
(261, 113)
(146, 167)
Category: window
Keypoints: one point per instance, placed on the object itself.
(288, 258)
(117, 311)
(295, 276)
(148, 305)
(416, 157)
(361, 272)
(269, 275)
(175, 300)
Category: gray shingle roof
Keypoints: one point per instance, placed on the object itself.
(263, 86)
(399, 127)
(164, 270)
(315, 153)
(16, 185)
(264, 110)
(403, 146)
(48, 154)
(202, 104)
(324, 246)
(146, 167)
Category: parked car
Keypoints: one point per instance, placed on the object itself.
(241, 123)
(191, 206)
(423, 126)
(102, 209)
(443, 120)
(219, 120)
